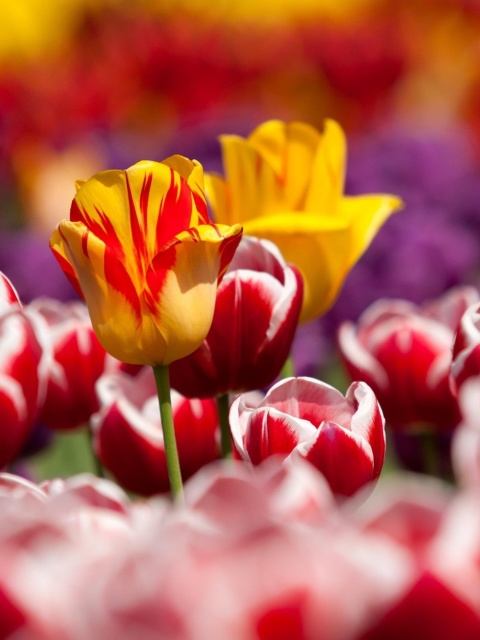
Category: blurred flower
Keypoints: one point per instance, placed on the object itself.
(466, 441)
(22, 372)
(466, 350)
(256, 314)
(344, 437)
(78, 359)
(128, 436)
(285, 183)
(141, 250)
(439, 535)
(404, 353)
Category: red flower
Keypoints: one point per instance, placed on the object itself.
(128, 434)
(404, 353)
(466, 350)
(256, 314)
(22, 371)
(344, 437)
(78, 360)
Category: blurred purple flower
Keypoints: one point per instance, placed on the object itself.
(27, 260)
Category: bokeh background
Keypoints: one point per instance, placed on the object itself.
(92, 84)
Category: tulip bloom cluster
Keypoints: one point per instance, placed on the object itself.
(265, 555)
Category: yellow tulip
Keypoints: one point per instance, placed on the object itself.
(140, 249)
(285, 183)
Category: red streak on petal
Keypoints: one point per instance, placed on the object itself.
(118, 278)
(175, 212)
(138, 235)
(227, 250)
(156, 276)
(105, 230)
(201, 206)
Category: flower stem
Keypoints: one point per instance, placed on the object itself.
(223, 406)
(162, 380)
(99, 470)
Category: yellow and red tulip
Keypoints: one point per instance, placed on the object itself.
(285, 183)
(140, 249)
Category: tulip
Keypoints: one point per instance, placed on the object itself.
(344, 437)
(256, 314)
(128, 435)
(78, 360)
(22, 371)
(403, 352)
(141, 251)
(466, 350)
(285, 183)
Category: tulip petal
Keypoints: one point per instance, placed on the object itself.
(182, 283)
(328, 172)
(289, 148)
(113, 303)
(254, 189)
(368, 421)
(192, 172)
(309, 399)
(135, 212)
(271, 432)
(365, 216)
(344, 458)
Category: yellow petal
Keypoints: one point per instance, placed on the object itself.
(290, 150)
(365, 215)
(217, 192)
(184, 293)
(316, 245)
(254, 189)
(328, 171)
(124, 330)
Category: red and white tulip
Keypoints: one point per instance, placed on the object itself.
(128, 436)
(344, 437)
(256, 314)
(403, 352)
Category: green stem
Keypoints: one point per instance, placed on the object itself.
(288, 369)
(162, 380)
(99, 470)
(223, 406)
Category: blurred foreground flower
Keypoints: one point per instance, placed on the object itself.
(256, 314)
(285, 183)
(140, 249)
(128, 436)
(404, 353)
(344, 437)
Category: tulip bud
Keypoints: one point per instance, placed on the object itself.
(256, 313)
